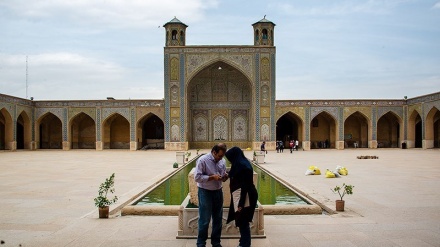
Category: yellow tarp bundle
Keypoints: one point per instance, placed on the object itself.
(329, 174)
(315, 169)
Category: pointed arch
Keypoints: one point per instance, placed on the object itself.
(220, 128)
(49, 131)
(116, 132)
(289, 126)
(414, 128)
(200, 128)
(24, 131)
(356, 130)
(239, 128)
(82, 134)
(432, 128)
(216, 63)
(6, 129)
(265, 132)
(323, 131)
(150, 132)
(389, 130)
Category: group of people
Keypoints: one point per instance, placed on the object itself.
(293, 145)
(210, 173)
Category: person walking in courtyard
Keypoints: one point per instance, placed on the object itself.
(263, 147)
(209, 174)
(291, 145)
(296, 145)
(281, 147)
(244, 195)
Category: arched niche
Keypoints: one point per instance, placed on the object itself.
(289, 127)
(389, 131)
(150, 132)
(323, 131)
(82, 132)
(49, 132)
(356, 128)
(116, 132)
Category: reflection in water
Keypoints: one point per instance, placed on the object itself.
(175, 189)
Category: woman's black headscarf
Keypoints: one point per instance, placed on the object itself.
(236, 156)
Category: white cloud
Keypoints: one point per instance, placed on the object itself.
(74, 76)
(436, 6)
(111, 13)
(341, 8)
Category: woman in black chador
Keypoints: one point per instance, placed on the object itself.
(244, 195)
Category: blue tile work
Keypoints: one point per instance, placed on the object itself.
(257, 97)
(65, 124)
(307, 123)
(98, 124)
(132, 124)
(272, 100)
(341, 123)
(33, 125)
(374, 121)
(14, 122)
(167, 97)
(423, 123)
(405, 120)
(182, 97)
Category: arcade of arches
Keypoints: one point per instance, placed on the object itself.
(228, 117)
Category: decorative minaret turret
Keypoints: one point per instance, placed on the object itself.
(264, 32)
(175, 33)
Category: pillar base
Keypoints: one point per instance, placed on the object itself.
(372, 144)
(340, 145)
(306, 145)
(99, 146)
(12, 146)
(427, 144)
(66, 145)
(133, 146)
(410, 144)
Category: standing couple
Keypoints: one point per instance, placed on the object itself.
(210, 174)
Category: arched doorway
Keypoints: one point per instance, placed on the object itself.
(82, 132)
(150, 132)
(356, 131)
(24, 131)
(432, 128)
(388, 131)
(415, 130)
(289, 127)
(50, 132)
(323, 131)
(6, 129)
(116, 132)
(220, 107)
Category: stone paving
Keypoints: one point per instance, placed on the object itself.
(47, 199)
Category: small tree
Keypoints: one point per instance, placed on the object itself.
(108, 186)
(346, 189)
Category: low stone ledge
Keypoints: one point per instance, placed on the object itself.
(151, 210)
(291, 209)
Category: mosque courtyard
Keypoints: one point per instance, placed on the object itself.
(47, 198)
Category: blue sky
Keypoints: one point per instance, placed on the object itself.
(92, 49)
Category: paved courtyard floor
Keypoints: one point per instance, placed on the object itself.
(46, 199)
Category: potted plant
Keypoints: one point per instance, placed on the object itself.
(103, 201)
(345, 189)
(175, 165)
